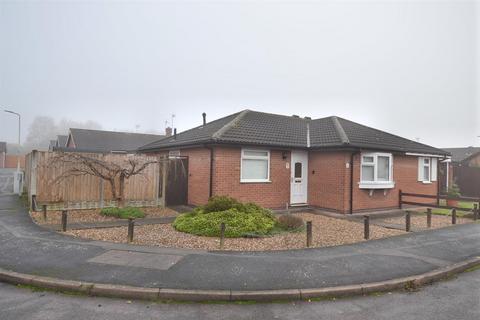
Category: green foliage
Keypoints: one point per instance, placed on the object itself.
(123, 213)
(289, 222)
(241, 219)
(454, 191)
(221, 203)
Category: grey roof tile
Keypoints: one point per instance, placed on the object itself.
(259, 128)
(460, 154)
(108, 141)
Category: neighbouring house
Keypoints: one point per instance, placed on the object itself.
(278, 161)
(3, 154)
(87, 140)
(463, 169)
(11, 155)
(60, 142)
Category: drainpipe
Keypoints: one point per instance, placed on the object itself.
(351, 179)
(210, 191)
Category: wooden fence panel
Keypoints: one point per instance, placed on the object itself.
(88, 190)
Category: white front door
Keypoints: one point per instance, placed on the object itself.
(299, 177)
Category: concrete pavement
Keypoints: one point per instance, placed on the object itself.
(28, 248)
(457, 298)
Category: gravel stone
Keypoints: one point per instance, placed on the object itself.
(327, 231)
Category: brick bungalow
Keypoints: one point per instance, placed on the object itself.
(275, 160)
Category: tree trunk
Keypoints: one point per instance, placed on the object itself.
(113, 188)
(121, 194)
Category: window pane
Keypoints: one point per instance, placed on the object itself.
(255, 153)
(254, 169)
(368, 159)
(298, 169)
(426, 160)
(426, 173)
(383, 168)
(367, 173)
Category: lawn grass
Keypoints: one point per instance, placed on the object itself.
(123, 213)
(447, 212)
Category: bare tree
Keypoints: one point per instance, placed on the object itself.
(111, 170)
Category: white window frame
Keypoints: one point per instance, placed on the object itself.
(376, 184)
(243, 156)
(432, 168)
(425, 165)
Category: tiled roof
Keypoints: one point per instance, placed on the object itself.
(259, 128)
(62, 141)
(460, 154)
(108, 141)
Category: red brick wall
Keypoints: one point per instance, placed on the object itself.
(328, 180)
(405, 175)
(11, 161)
(328, 183)
(274, 194)
(198, 175)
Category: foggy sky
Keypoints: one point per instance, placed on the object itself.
(410, 68)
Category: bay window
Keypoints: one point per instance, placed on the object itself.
(376, 171)
(255, 165)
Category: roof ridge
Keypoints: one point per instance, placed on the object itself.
(218, 134)
(341, 132)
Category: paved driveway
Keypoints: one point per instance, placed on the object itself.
(28, 248)
(6, 181)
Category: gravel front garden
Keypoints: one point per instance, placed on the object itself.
(93, 215)
(420, 221)
(327, 231)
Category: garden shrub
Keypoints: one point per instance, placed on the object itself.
(240, 219)
(221, 203)
(289, 222)
(123, 213)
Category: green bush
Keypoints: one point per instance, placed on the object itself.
(221, 203)
(454, 191)
(123, 213)
(289, 222)
(240, 219)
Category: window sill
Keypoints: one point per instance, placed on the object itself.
(376, 185)
(427, 182)
(255, 181)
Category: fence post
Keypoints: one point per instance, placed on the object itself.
(44, 209)
(454, 216)
(222, 235)
(475, 212)
(429, 217)
(309, 233)
(64, 220)
(407, 221)
(366, 227)
(131, 225)
(400, 199)
(34, 202)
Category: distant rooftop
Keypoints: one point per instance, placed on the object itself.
(110, 141)
(461, 154)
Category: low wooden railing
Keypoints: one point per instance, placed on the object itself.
(437, 204)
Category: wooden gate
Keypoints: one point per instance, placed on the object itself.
(176, 190)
